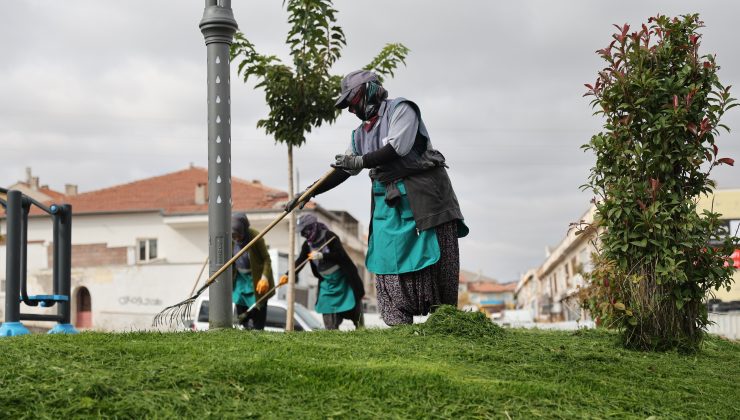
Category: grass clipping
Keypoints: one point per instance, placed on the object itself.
(449, 321)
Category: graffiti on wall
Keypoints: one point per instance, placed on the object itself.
(139, 301)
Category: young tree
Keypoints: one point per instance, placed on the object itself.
(301, 96)
(658, 258)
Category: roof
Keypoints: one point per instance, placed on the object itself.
(171, 194)
(43, 193)
(489, 287)
(470, 277)
(53, 195)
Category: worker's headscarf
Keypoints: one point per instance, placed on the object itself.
(366, 102)
(362, 92)
(310, 228)
(240, 226)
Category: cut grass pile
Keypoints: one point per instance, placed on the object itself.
(449, 321)
(422, 371)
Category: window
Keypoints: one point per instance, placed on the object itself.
(203, 313)
(735, 227)
(147, 249)
(585, 258)
(307, 317)
(574, 266)
(724, 228)
(727, 227)
(276, 318)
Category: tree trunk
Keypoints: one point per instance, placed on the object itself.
(291, 246)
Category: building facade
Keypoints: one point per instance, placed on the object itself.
(478, 292)
(727, 203)
(550, 290)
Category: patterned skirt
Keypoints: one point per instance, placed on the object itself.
(401, 296)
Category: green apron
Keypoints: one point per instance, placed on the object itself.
(395, 246)
(243, 293)
(335, 295)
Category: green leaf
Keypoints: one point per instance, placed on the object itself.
(388, 60)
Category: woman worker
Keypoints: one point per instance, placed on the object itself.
(252, 274)
(340, 287)
(416, 219)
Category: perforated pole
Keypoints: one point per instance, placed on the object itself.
(218, 27)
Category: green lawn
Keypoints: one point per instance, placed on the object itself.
(424, 371)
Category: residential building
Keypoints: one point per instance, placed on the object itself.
(549, 290)
(138, 247)
(41, 193)
(527, 293)
(484, 293)
(726, 203)
(492, 298)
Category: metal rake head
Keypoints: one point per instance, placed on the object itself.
(174, 314)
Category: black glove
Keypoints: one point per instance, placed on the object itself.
(290, 205)
(347, 162)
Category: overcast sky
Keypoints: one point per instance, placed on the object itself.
(103, 92)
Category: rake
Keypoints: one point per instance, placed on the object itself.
(181, 311)
(254, 305)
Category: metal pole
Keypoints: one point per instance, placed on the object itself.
(55, 220)
(12, 325)
(62, 217)
(65, 262)
(218, 27)
(25, 209)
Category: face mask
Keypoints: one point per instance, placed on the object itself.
(366, 102)
(309, 231)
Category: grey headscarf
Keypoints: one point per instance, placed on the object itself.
(310, 228)
(240, 225)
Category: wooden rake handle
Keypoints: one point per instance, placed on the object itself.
(254, 305)
(306, 194)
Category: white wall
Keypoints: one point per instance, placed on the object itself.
(123, 230)
(128, 297)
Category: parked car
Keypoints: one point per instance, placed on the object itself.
(717, 305)
(277, 311)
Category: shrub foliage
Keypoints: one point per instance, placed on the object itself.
(658, 258)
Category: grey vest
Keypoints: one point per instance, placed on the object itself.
(370, 141)
(428, 187)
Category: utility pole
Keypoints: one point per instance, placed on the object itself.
(218, 27)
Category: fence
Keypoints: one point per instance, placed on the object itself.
(725, 324)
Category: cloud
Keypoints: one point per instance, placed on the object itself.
(103, 92)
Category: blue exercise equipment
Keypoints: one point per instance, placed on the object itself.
(17, 207)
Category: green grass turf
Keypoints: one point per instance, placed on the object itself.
(420, 371)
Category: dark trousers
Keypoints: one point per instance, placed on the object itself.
(332, 321)
(255, 320)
